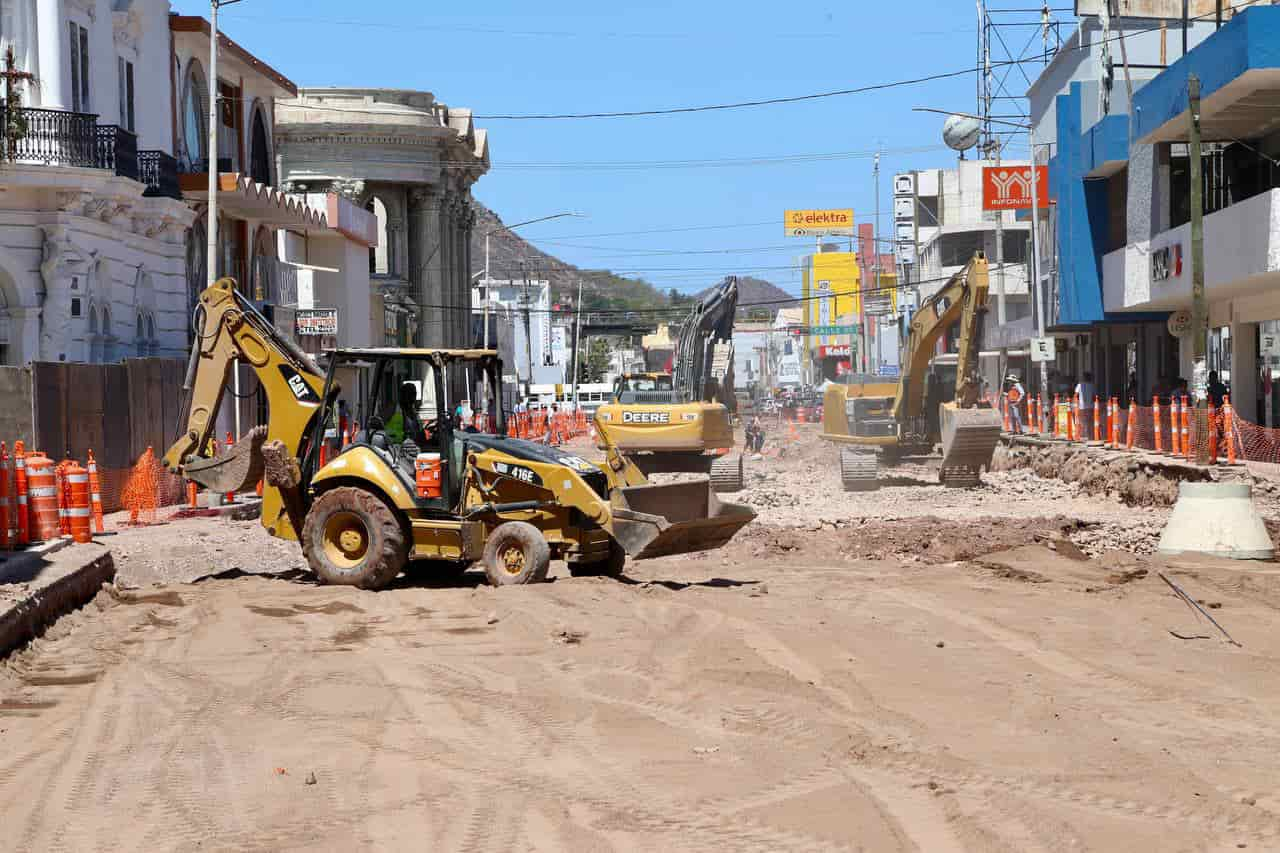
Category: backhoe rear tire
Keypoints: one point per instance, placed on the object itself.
(352, 538)
(516, 553)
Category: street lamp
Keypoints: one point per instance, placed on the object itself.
(1041, 305)
(487, 281)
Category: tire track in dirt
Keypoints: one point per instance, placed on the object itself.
(1209, 815)
(632, 806)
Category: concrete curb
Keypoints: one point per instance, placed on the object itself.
(27, 618)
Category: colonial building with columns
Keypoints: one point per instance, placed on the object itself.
(92, 225)
(410, 161)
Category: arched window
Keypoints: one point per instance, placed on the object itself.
(266, 286)
(195, 118)
(379, 255)
(153, 345)
(139, 341)
(108, 343)
(260, 148)
(4, 328)
(95, 336)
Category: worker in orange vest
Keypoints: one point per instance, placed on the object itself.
(1015, 394)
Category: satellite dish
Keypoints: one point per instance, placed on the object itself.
(961, 132)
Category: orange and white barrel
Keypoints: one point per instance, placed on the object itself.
(79, 511)
(427, 475)
(42, 495)
(21, 506)
(95, 495)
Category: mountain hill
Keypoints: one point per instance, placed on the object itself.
(511, 256)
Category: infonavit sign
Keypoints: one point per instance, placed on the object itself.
(1009, 187)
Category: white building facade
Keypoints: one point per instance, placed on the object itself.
(92, 254)
(526, 333)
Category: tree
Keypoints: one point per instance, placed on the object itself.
(594, 363)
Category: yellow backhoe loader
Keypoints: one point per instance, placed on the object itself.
(365, 515)
(875, 420)
(682, 421)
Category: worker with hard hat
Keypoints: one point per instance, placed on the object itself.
(1015, 394)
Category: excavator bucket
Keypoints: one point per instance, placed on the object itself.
(676, 518)
(969, 439)
(237, 470)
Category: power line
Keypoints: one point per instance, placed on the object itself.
(605, 34)
(761, 102)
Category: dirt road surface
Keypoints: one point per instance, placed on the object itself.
(895, 680)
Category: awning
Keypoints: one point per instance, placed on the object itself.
(240, 196)
(1239, 72)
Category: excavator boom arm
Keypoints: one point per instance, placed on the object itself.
(709, 324)
(962, 301)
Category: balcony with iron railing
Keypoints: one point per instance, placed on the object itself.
(41, 137)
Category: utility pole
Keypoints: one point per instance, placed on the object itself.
(528, 327)
(577, 341)
(1199, 310)
(211, 220)
(488, 287)
(875, 287)
(1041, 307)
(1000, 302)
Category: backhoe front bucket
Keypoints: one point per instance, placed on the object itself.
(969, 439)
(237, 470)
(677, 518)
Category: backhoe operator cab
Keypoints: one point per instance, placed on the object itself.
(416, 489)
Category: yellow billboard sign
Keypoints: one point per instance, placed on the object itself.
(816, 223)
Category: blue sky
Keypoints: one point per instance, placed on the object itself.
(587, 57)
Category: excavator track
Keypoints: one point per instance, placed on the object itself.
(726, 474)
(859, 470)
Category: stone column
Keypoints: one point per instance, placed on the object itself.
(424, 273)
(468, 223)
(462, 314)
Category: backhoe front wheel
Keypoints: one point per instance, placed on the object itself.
(352, 538)
(516, 553)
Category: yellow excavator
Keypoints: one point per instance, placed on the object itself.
(415, 489)
(682, 421)
(880, 420)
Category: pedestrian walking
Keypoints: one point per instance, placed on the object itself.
(755, 435)
(1216, 390)
(1085, 392)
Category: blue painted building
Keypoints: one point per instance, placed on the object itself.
(1118, 244)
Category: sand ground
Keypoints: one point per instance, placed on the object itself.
(903, 677)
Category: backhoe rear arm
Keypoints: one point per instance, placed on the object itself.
(233, 329)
